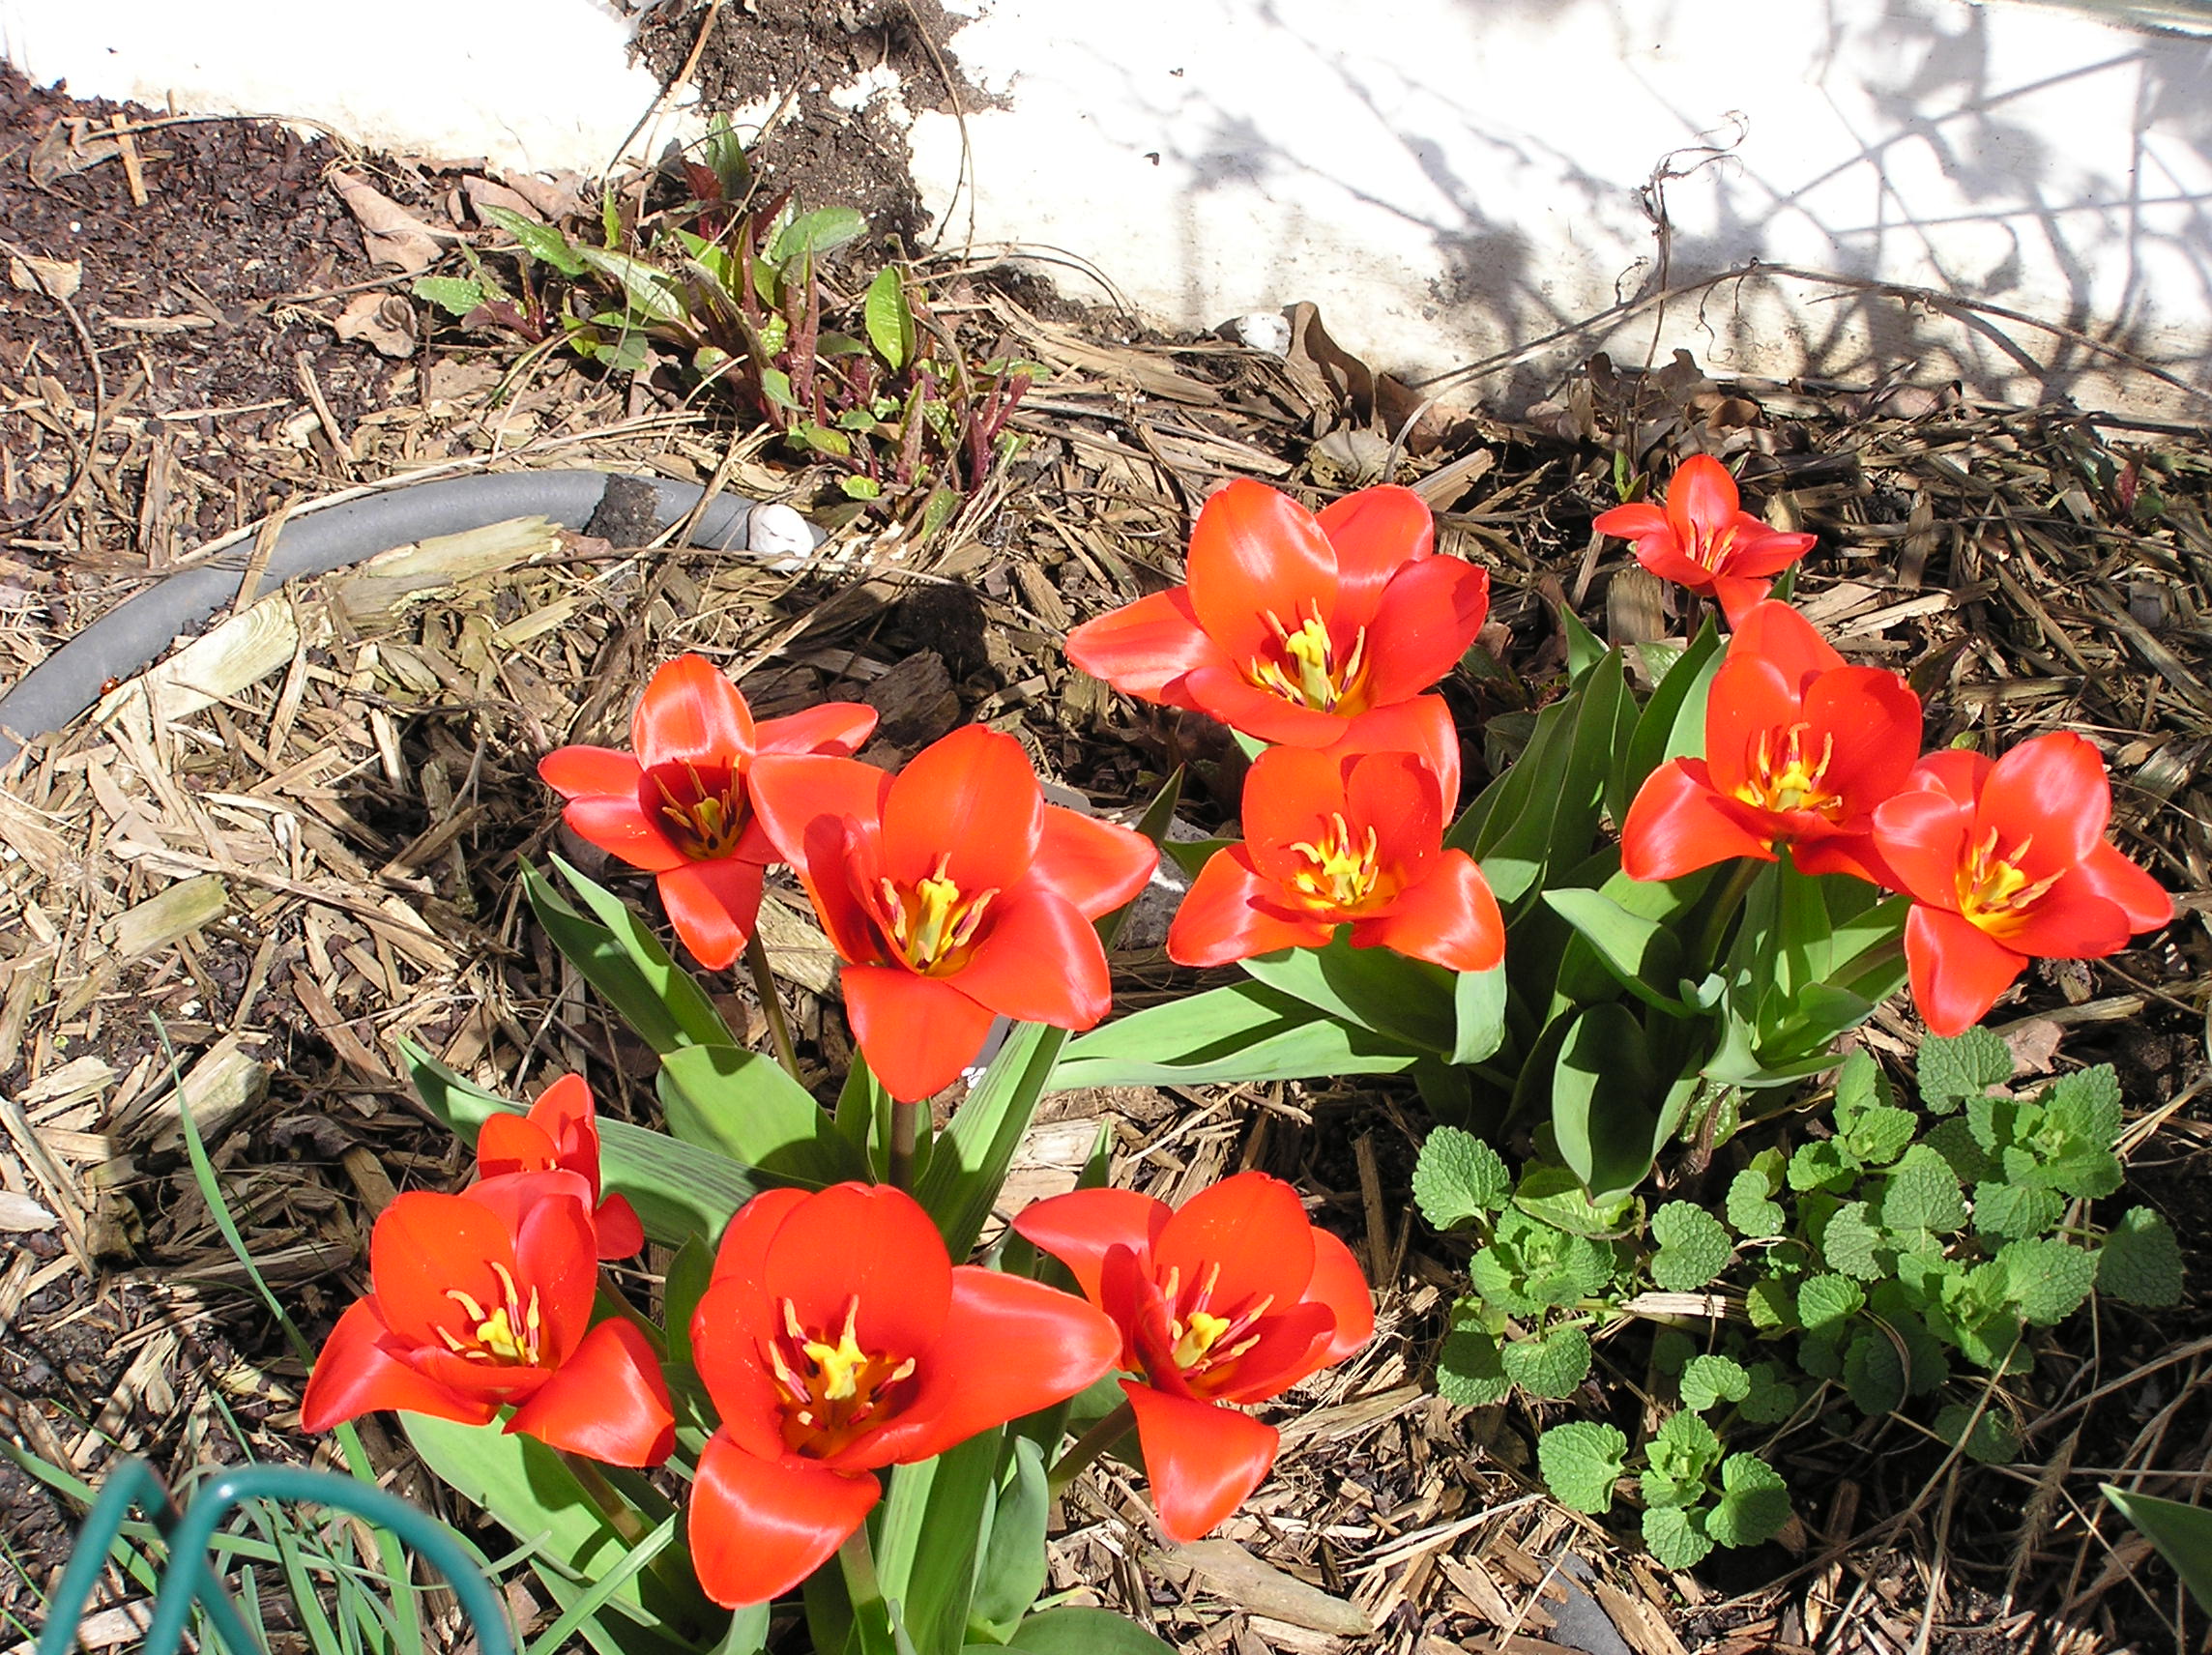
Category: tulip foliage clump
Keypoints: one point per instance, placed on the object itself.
(1649, 928)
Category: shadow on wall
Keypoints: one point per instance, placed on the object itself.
(1913, 149)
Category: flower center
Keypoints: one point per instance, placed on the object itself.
(1199, 1338)
(1709, 548)
(1789, 780)
(705, 814)
(1343, 873)
(1993, 887)
(1309, 674)
(831, 1392)
(932, 924)
(507, 1335)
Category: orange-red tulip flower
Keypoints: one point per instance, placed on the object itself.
(1232, 1300)
(677, 806)
(1799, 748)
(1349, 835)
(1294, 626)
(2007, 861)
(483, 1301)
(953, 893)
(836, 1337)
(1703, 539)
(561, 1133)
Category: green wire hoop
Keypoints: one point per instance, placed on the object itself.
(187, 1578)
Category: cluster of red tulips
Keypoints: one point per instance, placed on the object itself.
(837, 1337)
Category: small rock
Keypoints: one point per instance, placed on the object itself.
(1266, 331)
(779, 533)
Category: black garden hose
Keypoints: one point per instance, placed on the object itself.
(126, 640)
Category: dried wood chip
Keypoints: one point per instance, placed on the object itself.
(1233, 1575)
(224, 1082)
(212, 667)
(56, 278)
(409, 574)
(21, 1215)
(385, 320)
(177, 911)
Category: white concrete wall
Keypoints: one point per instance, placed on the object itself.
(1447, 179)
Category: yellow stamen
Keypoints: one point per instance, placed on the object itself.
(1343, 875)
(1796, 782)
(1993, 887)
(495, 1333)
(933, 924)
(1310, 674)
(832, 1390)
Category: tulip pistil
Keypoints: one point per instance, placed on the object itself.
(1791, 780)
(507, 1334)
(832, 1391)
(708, 818)
(1309, 674)
(1345, 871)
(1201, 1339)
(932, 925)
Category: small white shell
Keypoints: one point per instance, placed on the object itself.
(779, 533)
(1266, 331)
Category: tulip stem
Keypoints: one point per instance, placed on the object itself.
(1090, 1445)
(1746, 869)
(622, 1517)
(763, 985)
(898, 1168)
(859, 1562)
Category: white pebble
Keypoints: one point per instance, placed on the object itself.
(1266, 331)
(777, 531)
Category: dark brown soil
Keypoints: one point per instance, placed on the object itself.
(188, 300)
(765, 51)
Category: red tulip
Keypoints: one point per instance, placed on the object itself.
(679, 808)
(1350, 834)
(836, 1337)
(2006, 861)
(483, 1301)
(953, 893)
(1232, 1300)
(1294, 625)
(560, 1132)
(1703, 541)
(1799, 748)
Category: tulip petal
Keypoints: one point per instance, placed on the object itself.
(734, 1316)
(2120, 882)
(691, 713)
(1282, 1349)
(839, 729)
(1423, 726)
(424, 1245)
(1010, 1347)
(1221, 692)
(619, 826)
(2051, 788)
(512, 1144)
(1252, 1228)
(1700, 496)
(1094, 865)
(1777, 634)
(1639, 521)
(1203, 1461)
(713, 905)
(2069, 922)
(1221, 919)
(1427, 617)
(1145, 648)
(1374, 533)
(1675, 825)
(916, 1033)
(1451, 918)
(1080, 1228)
(868, 1244)
(1339, 1282)
(607, 1402)
(557, 1260)
(970, 802)
(1956, 970)
(1291, 797)
(1869, 719)
(1254, 552)
(1040, 962)
(621, 1230)
(356, 1374)
(757, 1527)
(581, 772)
(1921, 836)
(1400, 801)
(1753, 703)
